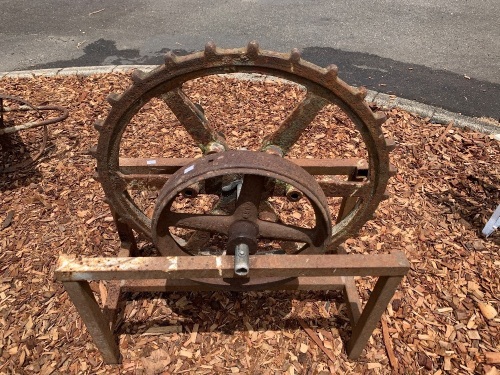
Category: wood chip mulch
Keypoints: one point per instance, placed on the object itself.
(443, 318)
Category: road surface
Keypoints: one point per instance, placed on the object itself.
(443, 53)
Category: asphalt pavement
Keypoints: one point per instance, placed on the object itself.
(442, 53)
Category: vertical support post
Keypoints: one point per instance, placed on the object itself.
(82, 297)
(112, 305)
(376, 305)
(125, 233)
(348, 203)
(352, 300)
(351, 295)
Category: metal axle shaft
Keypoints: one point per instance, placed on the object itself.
(241, 264)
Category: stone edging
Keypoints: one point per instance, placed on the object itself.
(385, 101)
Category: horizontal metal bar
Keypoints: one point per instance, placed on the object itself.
(140, 180)
(299, 283)
(330, 188)
(333, 188)
(344, 188)
(73, 269)
(166, 166)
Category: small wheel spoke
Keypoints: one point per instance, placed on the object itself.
(190, 116)
(292, 127)
(202, 222)
(285, 232)
(200, 237)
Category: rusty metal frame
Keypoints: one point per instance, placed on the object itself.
(176, 270)
(307, 272)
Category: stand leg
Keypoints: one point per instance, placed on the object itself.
(376, 305)
(352, 300)
(351, 295)
(348, 203)
(126, 234)
(82, 297)
(112, 305)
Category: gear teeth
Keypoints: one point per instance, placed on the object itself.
(332, 71)
(113, 98)
(392, 170)
(295, 56)
(138, 76)
(170, 59)
(390, 143)
(210, 50)
(99, 125)
(379, 117)
(362, 92)
(93, 151)
(253, 50)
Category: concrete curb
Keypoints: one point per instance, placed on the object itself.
(78, 71)
(435, 114)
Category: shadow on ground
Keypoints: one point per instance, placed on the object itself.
(465, 200)
(19, 169)
(104, 52)
(441, 88)
(229, 310)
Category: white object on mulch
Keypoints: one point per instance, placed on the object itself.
(493, 223)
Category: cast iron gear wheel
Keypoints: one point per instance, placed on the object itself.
(323, 87)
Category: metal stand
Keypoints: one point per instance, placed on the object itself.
(162, 274)
(243, 181)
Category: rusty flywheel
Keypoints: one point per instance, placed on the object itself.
(244, 180)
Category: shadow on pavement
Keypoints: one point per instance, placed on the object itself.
(104, 52)
(454, 92)
(441, 88)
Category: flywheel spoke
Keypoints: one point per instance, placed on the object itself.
(285, 232)
(200, 237)
(212, 223)
(292, 127)
(191, 117)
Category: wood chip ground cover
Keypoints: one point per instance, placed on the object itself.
(443, 318)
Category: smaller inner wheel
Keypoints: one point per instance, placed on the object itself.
(224, 200)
